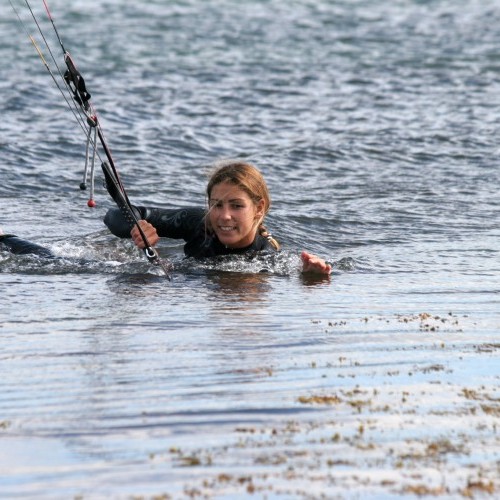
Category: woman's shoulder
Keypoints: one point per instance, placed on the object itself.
(186, 219)
(173, 214)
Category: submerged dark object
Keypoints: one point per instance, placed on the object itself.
(18, 246)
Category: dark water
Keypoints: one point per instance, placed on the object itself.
(376, 125)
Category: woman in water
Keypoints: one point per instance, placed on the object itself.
(233, 223)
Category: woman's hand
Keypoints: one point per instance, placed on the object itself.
(149, 231)
(314, 265)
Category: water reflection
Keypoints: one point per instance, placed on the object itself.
(239, 304)
(238, 290)
(315, 279)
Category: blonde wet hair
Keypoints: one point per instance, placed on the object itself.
(249, 179)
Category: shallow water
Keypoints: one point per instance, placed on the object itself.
(376, 126)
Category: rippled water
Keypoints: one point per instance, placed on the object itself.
(376, 126)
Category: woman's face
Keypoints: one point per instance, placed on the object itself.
(233, 215)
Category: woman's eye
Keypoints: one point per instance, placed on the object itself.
(233, 206)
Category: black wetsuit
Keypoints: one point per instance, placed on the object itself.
(187, 224)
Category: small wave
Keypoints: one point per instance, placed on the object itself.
(97, 253)
(344, 264)
(280, 263)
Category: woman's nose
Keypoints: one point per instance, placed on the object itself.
(225, 213)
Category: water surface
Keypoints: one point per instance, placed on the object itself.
(376, 126)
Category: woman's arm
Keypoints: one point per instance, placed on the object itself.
(169, 223)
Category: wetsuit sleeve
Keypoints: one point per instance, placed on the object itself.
(170, 223)
(117, 223)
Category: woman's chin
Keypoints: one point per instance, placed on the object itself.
(227, 239)
(231, 240)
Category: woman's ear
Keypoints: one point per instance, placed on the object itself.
(259, 209)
